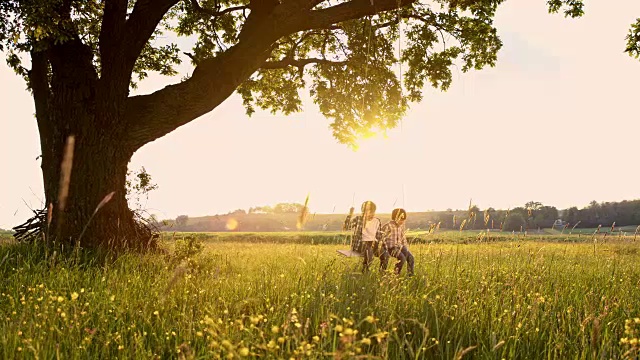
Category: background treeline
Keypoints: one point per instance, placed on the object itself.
(531, 216)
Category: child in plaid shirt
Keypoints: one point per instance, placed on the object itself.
(366, 232)
(396, 243)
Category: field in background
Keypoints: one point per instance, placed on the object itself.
(414, 237)
(448, 220)
(515, 298)
(289, 221)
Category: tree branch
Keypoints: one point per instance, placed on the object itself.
(258, 17)
(299, 63)
(431, 20)
(142, 22)
(354, 9)
(214, 13)
(111, 32)
(214, 80)
(309, 4)
(386, 25)
(295, 44)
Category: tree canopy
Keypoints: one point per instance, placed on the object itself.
(344, 52)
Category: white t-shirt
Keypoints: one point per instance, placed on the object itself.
(370, 230)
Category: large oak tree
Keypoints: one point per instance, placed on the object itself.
(85, 56)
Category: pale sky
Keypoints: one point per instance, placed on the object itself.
(559, 114)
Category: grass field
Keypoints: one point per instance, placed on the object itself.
(514, 298)
(415, 237)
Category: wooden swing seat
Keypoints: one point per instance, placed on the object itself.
(349, 253)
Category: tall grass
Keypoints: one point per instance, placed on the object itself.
(511, 299)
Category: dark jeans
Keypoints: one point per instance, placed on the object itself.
(403, 255)
(367, 251)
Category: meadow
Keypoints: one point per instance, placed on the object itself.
(473, 296)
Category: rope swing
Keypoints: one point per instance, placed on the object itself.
(353, 250)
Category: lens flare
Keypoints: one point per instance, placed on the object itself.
(232, 224)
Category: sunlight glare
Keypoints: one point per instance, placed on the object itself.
(232, 224)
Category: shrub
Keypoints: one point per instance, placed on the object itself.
(514, 222)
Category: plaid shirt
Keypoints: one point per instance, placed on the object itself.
(356, 223)
(394, 235)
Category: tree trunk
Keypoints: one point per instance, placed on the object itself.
(99, 168)
(73, 104)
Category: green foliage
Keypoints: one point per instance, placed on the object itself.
(181, 221)
(139, 184)
(570, 8)
(37, 25)
(280, 208)
(514, 222)
(533, 205)
(214, 34)
(633, 40)
(474, 39)
(159, 59)
(283, 208)
(274, 89)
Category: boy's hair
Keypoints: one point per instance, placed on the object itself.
(368, 205)
(398, 214)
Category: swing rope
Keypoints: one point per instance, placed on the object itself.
(399, 17)
(398, 14)
(366, 64)
(366, 72)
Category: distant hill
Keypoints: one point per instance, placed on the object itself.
(288, 221)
